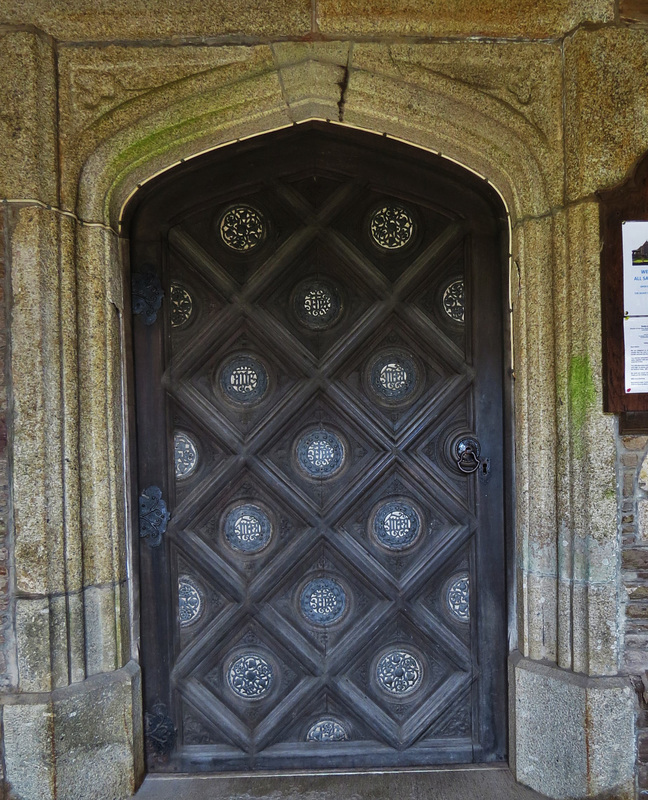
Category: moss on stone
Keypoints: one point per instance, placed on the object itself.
(582, 398)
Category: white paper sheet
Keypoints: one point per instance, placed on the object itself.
(635, 335)
(635, 268)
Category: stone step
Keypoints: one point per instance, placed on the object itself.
(447, 783)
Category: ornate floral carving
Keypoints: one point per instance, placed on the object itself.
(242, 228)
(147, 295)
(153, 515)
(391, 226)
(250, 676)
(322, 601)
(399, 672)
(327, 730)
(159, 730)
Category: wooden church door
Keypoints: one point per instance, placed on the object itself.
(318, 355)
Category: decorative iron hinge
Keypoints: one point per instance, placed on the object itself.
(159, 730)
(147, 295)
(153, 515)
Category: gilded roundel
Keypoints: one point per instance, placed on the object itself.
(248, 528)
(244, 380)
(391, 226)
(458, 597)
(399, 672)
(454, 301)
(190, 601)
(394, 376)
(316, 303)
(396, 524)
(327, 730)
(181, 306)
(250, 676)
(242, 228)
(320, 453)
(322, 601)
(185, 455)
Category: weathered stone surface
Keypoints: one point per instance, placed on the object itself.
(585, 727)
(606, 111)
(28, 757)
(28, 117)
(478, 103)
(112, 21)
(102, 625)
(98, 737)
(32, 617)
(642, 519)
(312, 76)
(37, 417)
(441, 784)
(643, 475)
(127, 107)
(457, 18)
(535, 432)
(85, 742)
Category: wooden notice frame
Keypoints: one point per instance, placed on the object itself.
(628, 201)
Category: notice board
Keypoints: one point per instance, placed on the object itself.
(624, 298)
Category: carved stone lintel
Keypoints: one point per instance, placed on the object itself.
(147, 295)
(153, 515)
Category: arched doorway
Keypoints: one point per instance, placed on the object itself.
(320, 407)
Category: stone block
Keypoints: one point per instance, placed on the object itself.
(634, 442)
(102, 624)
(585, 725)
(457, 18)
(606, 112)
(457, 98)
(643, 475)
(176, 21)
(135, 103)
(33, 652)
(28, 147)
(85, 742)
(635, 559)
(29, 761)
(642, 519)
(98, 749)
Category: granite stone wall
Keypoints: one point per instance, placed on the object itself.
(547, 101)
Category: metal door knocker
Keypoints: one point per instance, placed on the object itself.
(467, 451)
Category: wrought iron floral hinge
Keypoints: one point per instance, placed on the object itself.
(160, 730)
(147, 295)
(153, 515)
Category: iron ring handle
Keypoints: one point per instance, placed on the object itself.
(464, 465)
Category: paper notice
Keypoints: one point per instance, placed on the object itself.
(635, 334)
(635, 269)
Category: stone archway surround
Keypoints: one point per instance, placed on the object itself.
(128, 112)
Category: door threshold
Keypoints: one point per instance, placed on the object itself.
(447, 782)
(323, 773)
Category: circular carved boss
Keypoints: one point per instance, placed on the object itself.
(396, 524)
(243, 379)
(391, 226)
(248, 528)
(394, 376)
(322, 601)
(399, 672)
(242, 228)
(320, 453)
(316, 303)
(250, 676)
